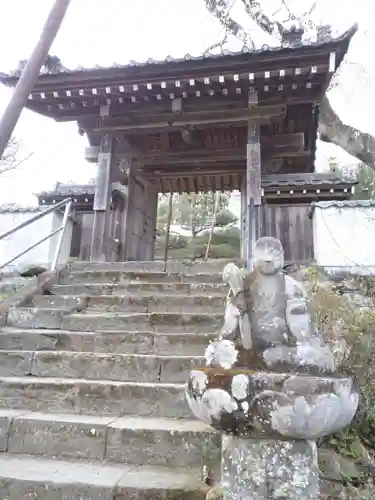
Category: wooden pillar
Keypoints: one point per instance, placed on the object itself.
(141, 213)
(253, 180)
(244, 221)
(134, 214)
(102, 201)
(151, 214)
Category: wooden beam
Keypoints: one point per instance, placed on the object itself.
(175, 174)
(271, 97)
(278, 146)
(102, 201)
(204, 169)
(177, 121)
(124, 97)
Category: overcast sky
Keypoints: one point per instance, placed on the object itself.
(103, 32)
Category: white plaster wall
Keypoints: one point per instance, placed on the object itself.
(17, 242)
(344, 235)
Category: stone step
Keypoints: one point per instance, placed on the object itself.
(121, 342)
(130, 439)
(95, 366)
(174, 266)
(201, 289)
(133, 303)
(165, 322)
(29, 477)
(94, 397)
(139, 277)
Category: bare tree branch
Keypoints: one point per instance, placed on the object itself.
(253, 9)
(291, 16)
(218, 44)
(221, 9)
(310, 10)
(9, 160)
(332, 129)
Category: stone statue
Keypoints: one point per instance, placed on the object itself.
(271, 312)
(270, 376)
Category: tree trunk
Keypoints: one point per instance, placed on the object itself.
(332, 129)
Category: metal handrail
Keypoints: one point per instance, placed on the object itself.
(68, 204)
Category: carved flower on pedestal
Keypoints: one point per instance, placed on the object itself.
(221, 354)
(316, 416)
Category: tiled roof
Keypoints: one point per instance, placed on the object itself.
(313, 179)
(70, 190)
(344, 204)
(76, 190)
(15, 208)
(345, 37)
(340, 204)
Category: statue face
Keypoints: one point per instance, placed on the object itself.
(268, 255)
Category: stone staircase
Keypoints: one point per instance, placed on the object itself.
(92, 381)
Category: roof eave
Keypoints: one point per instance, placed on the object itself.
(341, 42)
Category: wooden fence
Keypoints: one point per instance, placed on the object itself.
(292, 227)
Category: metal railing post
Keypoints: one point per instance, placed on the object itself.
(35, 218)
(68, 203)
(61, 236)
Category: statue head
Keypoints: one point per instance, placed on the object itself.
(268, 255)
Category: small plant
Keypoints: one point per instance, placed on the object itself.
(340, 320)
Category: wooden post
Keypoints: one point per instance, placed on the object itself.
(253, 180)
(151, 205)
(31, 71)
(102, 201)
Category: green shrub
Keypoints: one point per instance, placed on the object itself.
(178, 241)
(224, 218)
(225, 236)
(224, 244)
(338, 317)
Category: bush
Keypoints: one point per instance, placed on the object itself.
(225, 243)
(224, 218)
(178, 246)
(337, 317)
(178, 241)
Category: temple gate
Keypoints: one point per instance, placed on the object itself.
(236, 121)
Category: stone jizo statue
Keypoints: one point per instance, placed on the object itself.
(269, 376)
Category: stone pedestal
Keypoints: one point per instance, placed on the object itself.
(257, 469)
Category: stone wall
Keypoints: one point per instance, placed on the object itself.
(344, 234)
(14, 244)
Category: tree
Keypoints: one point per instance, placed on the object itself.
(332, 128)
(362, 173)
(194, 211)
(365, 189)
(11, 158)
